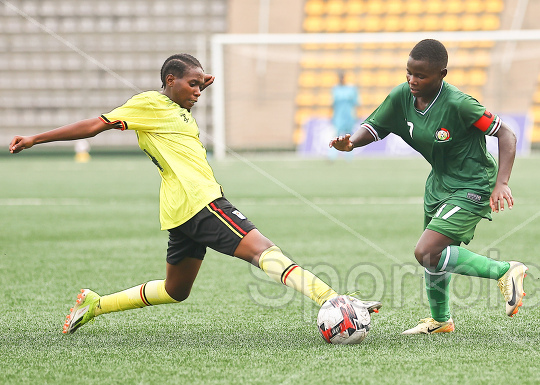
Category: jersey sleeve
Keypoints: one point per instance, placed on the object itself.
(136, 114)
(383, 120)
(476, 116)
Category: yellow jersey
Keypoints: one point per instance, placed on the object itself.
(169, 135)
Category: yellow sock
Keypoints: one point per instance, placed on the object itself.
(281, 269)
(146, 294)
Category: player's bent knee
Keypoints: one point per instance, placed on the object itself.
(422, 255)
(179, 294)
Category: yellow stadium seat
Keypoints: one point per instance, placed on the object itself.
(335, 7)
(353, 24)
(392, 23)
(470, 22)
(366, 78)
(490, 22)
(477, 77)
(372, 24)
(481, 57)
(348, 61)
(394, 7)
(474, 6)
(328, 79)
(535, 137)
(457, 77)
(375, 7)
(309, 62)
(536, 97)
(432, 23)
(450, 23)
(494, 6)
(304, 114)
(414, 7)
(355, 7)
(435, 7)
(324, 99)
(412, 24)
(305, 99)
(308, 79)
(536, 113)
(313, 24)
(454, 6)
(315, 7)
(334, 24)
(367, 60)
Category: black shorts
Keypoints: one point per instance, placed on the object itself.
(219, 226)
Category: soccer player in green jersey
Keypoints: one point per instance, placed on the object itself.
(448, 128)
(192, 206)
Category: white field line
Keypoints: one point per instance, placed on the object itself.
(43, 202)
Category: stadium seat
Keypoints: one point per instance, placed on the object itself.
(435, 7)
(394, 7)
(451, 23)
(334, 24)
(475, 6)
(315, 7)
(372, 24)
(392, 23)
(335, 7)
(414, 7)
(470, 22)
(490, 22)
(454, 6)
(375, 7)
(355, 7)
(432, 23)
(353, 24)
(313, 24)
(412, 23)
(494, 6)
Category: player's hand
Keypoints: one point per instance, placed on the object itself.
(208, 79)
(500, 193)
(342, 143)
(20, 143)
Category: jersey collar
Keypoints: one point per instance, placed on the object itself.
(430, 104)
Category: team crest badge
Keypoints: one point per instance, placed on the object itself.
(442, 135)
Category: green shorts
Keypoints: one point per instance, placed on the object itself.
(454, 222)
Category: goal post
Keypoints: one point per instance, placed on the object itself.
(219, 60)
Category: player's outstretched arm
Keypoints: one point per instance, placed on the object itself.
(507, 154)
(348, 142)
(79, 130)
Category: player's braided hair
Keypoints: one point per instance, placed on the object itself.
(432, 51)
(177, 66)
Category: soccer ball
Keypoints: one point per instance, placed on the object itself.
(343, 320)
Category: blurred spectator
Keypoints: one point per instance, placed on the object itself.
(345, 99)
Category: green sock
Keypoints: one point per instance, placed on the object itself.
(456, 259)
(438, 294)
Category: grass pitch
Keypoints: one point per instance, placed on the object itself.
(65, 226)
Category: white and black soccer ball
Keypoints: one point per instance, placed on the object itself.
(343, 320)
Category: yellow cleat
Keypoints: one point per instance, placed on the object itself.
(82, 312)
(511, 285)
(430, 326)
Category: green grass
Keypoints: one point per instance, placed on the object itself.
(65, 225)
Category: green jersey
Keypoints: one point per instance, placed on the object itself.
(450, 134)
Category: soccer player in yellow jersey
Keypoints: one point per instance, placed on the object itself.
(192, 206)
